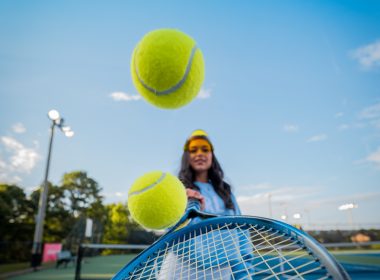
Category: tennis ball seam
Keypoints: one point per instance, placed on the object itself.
(173, 88)
(162, 177)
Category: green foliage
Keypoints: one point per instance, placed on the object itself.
(68, 206)
(83, 193)
(82, 200)
(57, 217)
(116, 224)
(14, 206)
(16, 219)
(121, 229)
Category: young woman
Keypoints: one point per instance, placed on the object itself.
(203, 176)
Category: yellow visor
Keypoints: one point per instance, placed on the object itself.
(199, 145)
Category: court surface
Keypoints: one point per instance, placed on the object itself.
(360, 265)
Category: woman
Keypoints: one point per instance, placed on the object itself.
(203, 176)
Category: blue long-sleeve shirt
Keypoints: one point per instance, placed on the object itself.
(214, 203)
(199, 254)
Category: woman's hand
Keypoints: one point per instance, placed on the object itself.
(197, 195)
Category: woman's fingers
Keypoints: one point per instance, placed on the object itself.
(197, 195)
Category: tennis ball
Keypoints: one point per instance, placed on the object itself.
(157, 200)
(167, 68)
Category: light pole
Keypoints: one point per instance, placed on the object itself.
(38, 232)
(297, 217)
(284, 216)
(349, 207)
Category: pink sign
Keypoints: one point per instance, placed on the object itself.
(50, 251)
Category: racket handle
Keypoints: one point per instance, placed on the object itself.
(193, 205)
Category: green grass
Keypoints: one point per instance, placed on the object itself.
(6, 268)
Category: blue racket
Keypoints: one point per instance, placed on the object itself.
(232, 247)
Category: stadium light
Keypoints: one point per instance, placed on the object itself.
(57, 121)
(297, 216)
(347, 206)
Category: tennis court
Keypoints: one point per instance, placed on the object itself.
(101, 267)
(359, 264)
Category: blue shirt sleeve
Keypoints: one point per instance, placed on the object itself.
(214, 203)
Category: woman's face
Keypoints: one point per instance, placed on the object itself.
(200, 155)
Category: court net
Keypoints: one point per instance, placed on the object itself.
(102, 261)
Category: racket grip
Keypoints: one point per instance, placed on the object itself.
(193, 204)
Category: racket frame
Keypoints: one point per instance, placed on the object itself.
(306, 241)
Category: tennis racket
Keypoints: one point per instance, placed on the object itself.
(232, 247)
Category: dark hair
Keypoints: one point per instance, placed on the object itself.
(215, 175)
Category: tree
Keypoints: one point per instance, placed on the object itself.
(58, 218)
(116, 225)
(17, 223)
(14, 206)
(83, 193)
(120, 228)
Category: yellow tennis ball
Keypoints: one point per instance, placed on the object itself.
(157, 200)
(167, 68)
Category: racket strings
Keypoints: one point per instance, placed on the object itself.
(272, 243)
(231, 251)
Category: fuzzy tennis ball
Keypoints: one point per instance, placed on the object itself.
(167, 68)
(157, 200)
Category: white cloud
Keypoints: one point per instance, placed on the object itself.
(258, 204)
(376, 123)
(9, 179)
(122, 96)
(2, 164)
(351, 198)
(374, 158)
(204, 93)
(339, 115)
(280, 193)
(114, 195)
(6, 175)
(317, 138)
(32, 189)
(368, 56)
(22, 159)
(119, 194)
(371, 112)
(18, 128)
(343, 127)
(318, 208)
(370, 116)
(290, 128)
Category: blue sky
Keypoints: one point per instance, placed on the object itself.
(291, 99)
